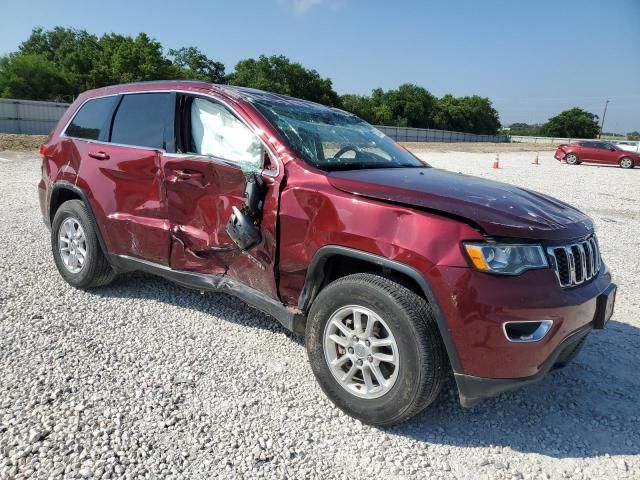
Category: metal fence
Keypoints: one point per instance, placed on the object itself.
(29, 116)
(408, 134)
(38, 118)
(525, 139)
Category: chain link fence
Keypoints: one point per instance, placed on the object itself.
(408, 134)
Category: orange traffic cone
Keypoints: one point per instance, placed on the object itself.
(536, 161)
(496, 162)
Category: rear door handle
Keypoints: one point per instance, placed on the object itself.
(99, 155)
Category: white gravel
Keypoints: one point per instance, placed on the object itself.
(144, 379)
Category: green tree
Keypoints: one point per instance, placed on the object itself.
(524, 129)
(74, 53)
(197, 66)
(278, 74)
(122, 59)
(359, 105)
(573, 123)
(63, 62)
(31, 77)
(635, 135)
(473, 114)
(410, 105)
(407, 106)
(380, 109)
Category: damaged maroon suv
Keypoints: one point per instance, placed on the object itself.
(397, 273)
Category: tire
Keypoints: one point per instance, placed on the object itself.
(626, 162)
(421, 363)
(572, 159)
(94, 269)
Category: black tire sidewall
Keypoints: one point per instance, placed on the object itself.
(400, 398)
(77, 210)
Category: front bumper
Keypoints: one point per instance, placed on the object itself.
(472, 389)
(476, 307)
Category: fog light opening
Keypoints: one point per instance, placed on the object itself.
(526, 331)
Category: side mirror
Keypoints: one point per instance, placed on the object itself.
(243, 225)
(243, 230)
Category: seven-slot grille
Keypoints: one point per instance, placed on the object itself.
(575, 263)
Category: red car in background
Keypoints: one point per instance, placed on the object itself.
(596, 152)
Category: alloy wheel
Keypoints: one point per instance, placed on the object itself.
(72, 244)
(361, 351)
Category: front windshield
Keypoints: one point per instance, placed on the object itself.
(331, 140)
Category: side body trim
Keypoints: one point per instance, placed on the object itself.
(291, 319)
(315, 276)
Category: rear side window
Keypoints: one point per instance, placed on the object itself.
(93, 119)
(140, 120)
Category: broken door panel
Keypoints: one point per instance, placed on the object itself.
(200, 194)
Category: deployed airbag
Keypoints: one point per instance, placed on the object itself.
(216, 132)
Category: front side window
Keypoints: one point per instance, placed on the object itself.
(216, 132)
(93, 119)
(331, 139)
(140, 120)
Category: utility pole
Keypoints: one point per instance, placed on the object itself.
(603, 115)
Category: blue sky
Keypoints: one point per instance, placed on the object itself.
(533, 59)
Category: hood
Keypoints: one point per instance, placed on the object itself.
(500, 209)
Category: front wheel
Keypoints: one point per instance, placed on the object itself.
(572, 159)
(375, 349)
(626, 162)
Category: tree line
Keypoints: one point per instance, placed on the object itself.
(59, 64)
(572, 123)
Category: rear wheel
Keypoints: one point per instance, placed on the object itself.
(75, 246)
(626, 162)
(375, 349)
(572, 159)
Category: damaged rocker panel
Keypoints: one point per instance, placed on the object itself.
(291, 319)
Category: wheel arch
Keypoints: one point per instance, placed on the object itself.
(64, 191)
(321, 272)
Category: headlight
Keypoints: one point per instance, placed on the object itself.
(505, 259)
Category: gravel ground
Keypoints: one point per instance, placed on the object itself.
(144, 379)
(21, 143)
